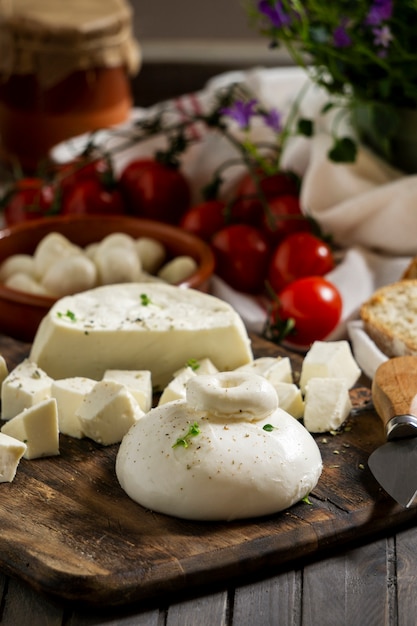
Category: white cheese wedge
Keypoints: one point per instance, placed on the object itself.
(274, 369)
(37, 427)
(329, 359)
(327, 404)
(140, 326)
(107, 412)
(69, 393)
(26, 385)
(290, 398)
(4, 372)
(175, 390)
(139, 383)
(11, 451)
(185, 461)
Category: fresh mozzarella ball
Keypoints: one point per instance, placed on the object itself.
(16, 264)
(53, 247)
(117, 265)
(151, 252)
(24, 282)
(178, 269)
(117, 240)
(91, 250)
(191, 464)
(232, 395)
(70, 275)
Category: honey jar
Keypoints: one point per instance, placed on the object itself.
(65, 69)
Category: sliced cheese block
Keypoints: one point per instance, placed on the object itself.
(3, 369)
(327, 404)
(184, 461)
(11, 451)
(26, 385)
(37, 427)
(69, 393)
(139, 383)
(139, 326)
(329, 359)
(290, 398)
(107, 412)
(274, 369)
(175, 390)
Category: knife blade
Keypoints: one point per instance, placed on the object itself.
(394, 395)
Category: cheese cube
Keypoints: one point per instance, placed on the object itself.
(327, 404)
(175, 390)
(107, 412)
(290, 398)
(274, 369)
(139, 326)
(330, 359)
(26, 385)
(37, 427)
(3, 370)
(139, 383)
(69, 393)
(11, 451)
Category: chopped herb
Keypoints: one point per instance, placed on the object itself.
(193, 430)
(145, 299)
(269, 428)
(307, 500)
(69, 314)
(193, 364)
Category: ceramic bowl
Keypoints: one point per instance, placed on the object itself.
(21, 313)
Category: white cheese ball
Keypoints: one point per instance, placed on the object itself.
(116, 264)
(17, 264)
(53, 247)
(26, 283)
(70, 275)
(187, 463)
(151, 253)
(178, 269)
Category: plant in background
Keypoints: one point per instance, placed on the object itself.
(362, 53)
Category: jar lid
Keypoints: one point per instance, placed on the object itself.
(52, 39)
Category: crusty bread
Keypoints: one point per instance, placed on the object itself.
(390, 318)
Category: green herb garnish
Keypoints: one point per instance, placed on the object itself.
(184, 441)
(269, 428)
(145, 299)
(193, 364)
(307, 500)
(69, 314)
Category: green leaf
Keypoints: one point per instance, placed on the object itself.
(344, 150)
(305, 127)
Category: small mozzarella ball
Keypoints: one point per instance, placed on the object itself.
(117, 265)
(50, 249)
(151, 252)
(16, 264)
(24, 282)
(117, 240)
(178, 269)
(70, 275)
(91, 250)
(232, 395)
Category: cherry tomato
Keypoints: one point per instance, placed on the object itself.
(242, 254)
(298, 255)
(30, 198)
(82, 168)
(91, 197)
(154, 190)
(247, 207)
(205, 219)
(284, 217)
(315, 306)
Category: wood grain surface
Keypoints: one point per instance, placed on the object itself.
(69, 531)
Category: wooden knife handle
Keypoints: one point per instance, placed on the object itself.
(394, 392)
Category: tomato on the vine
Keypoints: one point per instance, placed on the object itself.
(205, 219)
(242, 254)
(283, 217)
(299, 255)
(29, 199)
(247, 206)
(89, 196)
(154, 190)
(80, 169)
(314, 305)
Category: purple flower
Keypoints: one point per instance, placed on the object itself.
(241, 112)
(341, 37)
(383, 36)
(275, 13)
(380, 11)
(273, 119)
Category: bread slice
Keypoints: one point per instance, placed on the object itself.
(390, 318)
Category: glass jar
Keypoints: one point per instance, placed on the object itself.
(64, 70)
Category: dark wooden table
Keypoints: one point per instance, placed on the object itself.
(372, 584)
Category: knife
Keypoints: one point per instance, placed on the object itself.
(394, 395)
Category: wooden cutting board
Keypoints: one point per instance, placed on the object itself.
(68, 529)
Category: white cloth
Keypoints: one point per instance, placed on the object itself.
(368, 207)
